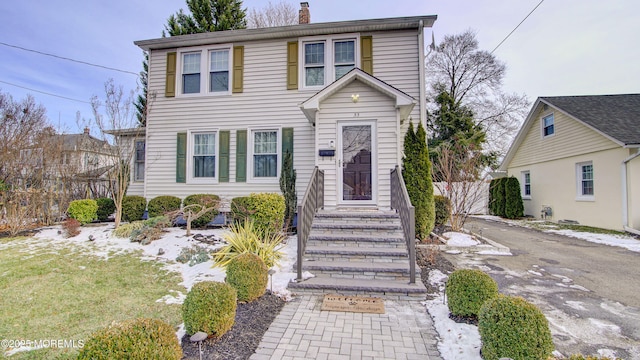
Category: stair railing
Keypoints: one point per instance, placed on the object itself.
(401, 203)
(312, 201)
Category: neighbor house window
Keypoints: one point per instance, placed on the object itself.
(547, 125)
(219, 71)
(265, 154)
(314, 64)
(585, 181)
(138, 171)
(526, 184)
(191, 73)
(344, 57)
(203, 156)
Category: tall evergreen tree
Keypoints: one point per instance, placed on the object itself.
(141, 99)
(288, 188)
(416, 172)
(207, 16)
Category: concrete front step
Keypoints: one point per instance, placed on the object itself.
(358, 240)
(394, 290)
(357, 254)
(359, 270)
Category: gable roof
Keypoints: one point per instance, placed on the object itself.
(616, 117)
(403, 101)
(279, 32)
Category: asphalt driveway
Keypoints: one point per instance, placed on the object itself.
(590, 293)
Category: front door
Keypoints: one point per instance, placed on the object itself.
(357, 162)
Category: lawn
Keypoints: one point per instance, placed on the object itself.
(63, 291)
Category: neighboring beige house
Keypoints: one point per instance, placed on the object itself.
(225, 106)
(578, 158)
(132, 143)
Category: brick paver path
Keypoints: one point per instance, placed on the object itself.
(302, 331)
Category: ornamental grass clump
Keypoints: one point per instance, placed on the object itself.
(511, 327)
(248, 274)
(245, 238)
(210, 307)
(467, 290)
(133, 339)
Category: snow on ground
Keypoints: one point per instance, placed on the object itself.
(460, 239)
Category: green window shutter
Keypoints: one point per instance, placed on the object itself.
(238, 69)
(170, 83)
(241, 156)
(292, 65)
(181, 158)
(287, 142)
(224, 155)
(366, 54)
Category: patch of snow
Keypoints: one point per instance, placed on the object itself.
(577, 305)
(460, 239)
(495, 252)
(604, 326)
(453, 252)
(578, 287)
(626, 242)
(607, 353)
(534, 273)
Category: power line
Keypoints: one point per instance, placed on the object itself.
(514, 29)
(68, 59)
(46, 93)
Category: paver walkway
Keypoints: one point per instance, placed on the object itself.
(302, 331)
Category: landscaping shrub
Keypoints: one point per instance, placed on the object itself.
(467, 290)
(443, 209)
(133, 339)
(125, 230)
(193, 255)
(513, 206)
(71, 227)
(511, 327)
(288, 188)
(106, 207)
(152, 229)
(85, 211)
(160, 205)
(245, 238)
(206, 200)
(133, 208)
(266, 210)
(209, 307)
(500, 197)
(248, 274)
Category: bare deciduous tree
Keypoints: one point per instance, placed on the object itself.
(278, 14)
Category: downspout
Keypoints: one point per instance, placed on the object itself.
(625, 197)
(421, 72)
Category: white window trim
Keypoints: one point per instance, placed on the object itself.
(144, 162)
(208, 180)
(204, 70)
(261, 180)
(523, 175)
(542, 125)
(579, 195)
(329, 66)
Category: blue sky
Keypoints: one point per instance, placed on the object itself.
(566, 47)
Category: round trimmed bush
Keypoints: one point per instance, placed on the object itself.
(248, 274)
(443, 209)
(133, 339)
(467, 290)
(266, 210)
(106, 207)
(133, 208)
(206, 200)
(160, 205)
(511, 327)
(210, 307)
(85, 211)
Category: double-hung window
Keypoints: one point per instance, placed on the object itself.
(526, 184)
(585, 184)
(265, 154)
(548, 125)
(191, 73)
(314, 63)
(138, 174)
(344, 57)
(327, 59)
(219, 71)
(203, 157)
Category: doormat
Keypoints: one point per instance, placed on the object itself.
(358, 304)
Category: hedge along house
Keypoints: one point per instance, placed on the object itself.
(224, 107)
(578, 158)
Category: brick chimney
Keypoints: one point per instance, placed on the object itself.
(87, 131)
(304, 17)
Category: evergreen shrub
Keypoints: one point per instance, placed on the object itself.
(160, 205)
(248, 274)
(210, 307)
(266, 210)
(443, 209)
(511, 327)
(206, 200)
(133, 208)
(133, 339)
(85, 211)
(467, 290)
(106, 207)
(513, 207)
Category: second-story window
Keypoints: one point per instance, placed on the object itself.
(191, 73)
(344, 57)
(314, 64)
(219, 71)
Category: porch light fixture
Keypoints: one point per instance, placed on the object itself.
(355, 98)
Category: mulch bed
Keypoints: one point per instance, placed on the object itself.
(252, 321)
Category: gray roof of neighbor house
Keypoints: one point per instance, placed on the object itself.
(617, 116)
(292, 31)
